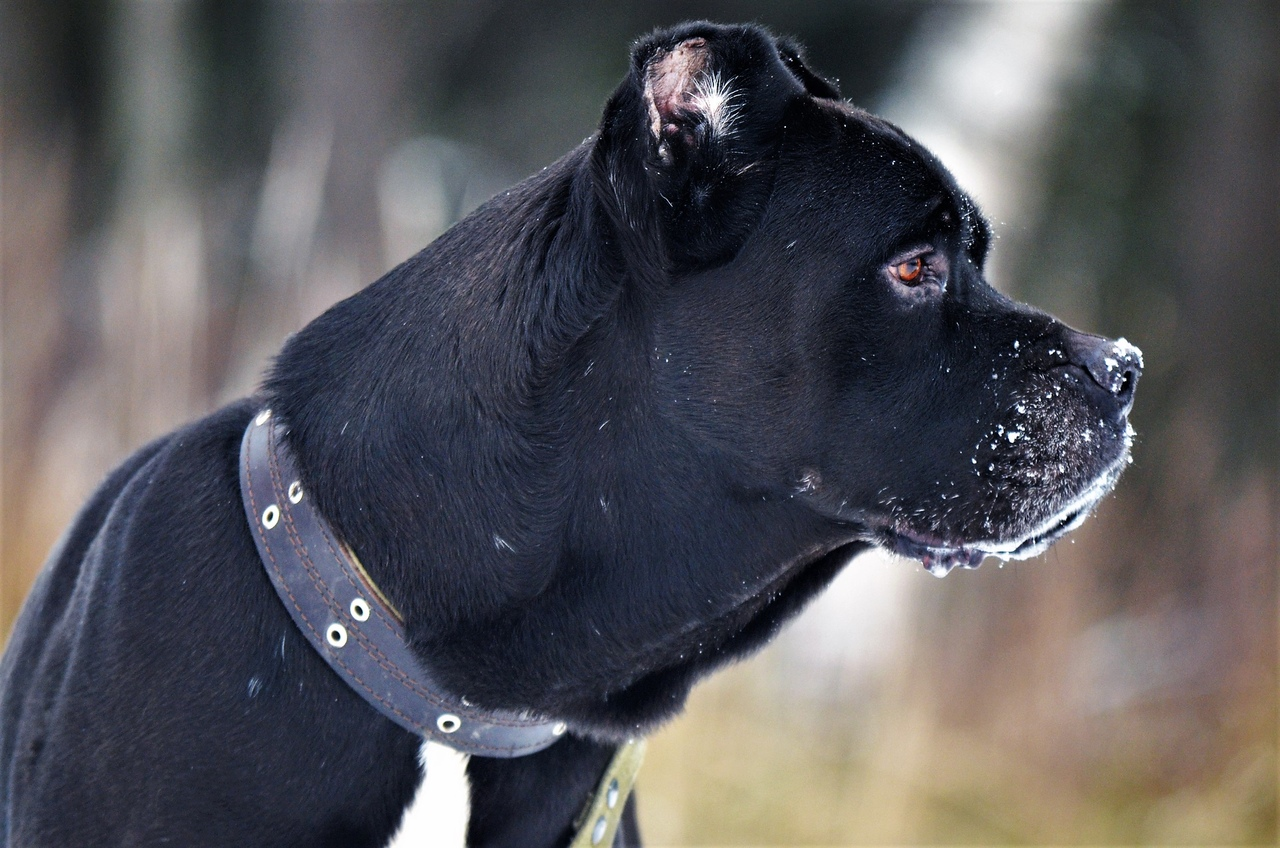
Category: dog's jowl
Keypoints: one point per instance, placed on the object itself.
(604, 436)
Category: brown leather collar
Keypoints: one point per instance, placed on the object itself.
(345, 617)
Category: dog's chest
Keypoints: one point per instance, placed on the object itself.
(438, 815)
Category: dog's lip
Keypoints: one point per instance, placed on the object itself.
(939, 554)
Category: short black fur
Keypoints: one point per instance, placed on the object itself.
(604, 436)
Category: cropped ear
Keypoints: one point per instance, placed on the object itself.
(793, 57)
(688, 144)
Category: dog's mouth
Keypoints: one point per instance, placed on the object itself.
(940, 555)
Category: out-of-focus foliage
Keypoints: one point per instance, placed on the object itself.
(185, 183)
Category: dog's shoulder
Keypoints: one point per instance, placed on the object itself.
(154, 636)
(113, 565)
(151, 488)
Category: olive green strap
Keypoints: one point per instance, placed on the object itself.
(598, 823)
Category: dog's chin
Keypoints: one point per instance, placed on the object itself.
(940, 554)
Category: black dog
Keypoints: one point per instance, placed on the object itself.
(604, 436)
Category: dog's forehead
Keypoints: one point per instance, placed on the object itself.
(908, 181)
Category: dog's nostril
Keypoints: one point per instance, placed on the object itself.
(1127, 360)
(1121, 365)
(1127, 383)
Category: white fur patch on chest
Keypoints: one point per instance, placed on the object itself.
(438, 815)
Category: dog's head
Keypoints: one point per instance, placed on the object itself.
(825, 319)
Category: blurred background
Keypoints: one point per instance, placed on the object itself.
(182, 184)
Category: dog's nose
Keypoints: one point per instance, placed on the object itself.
(1112, 366)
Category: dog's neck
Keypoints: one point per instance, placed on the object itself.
(492, 493)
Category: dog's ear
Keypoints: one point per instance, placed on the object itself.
(686, 152)
(793, 57)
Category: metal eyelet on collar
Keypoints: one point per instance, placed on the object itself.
(270, 516)
(360, 609)
(336, 634)
(559, 729)
(448, 723)
(263, 417)
(295, 492)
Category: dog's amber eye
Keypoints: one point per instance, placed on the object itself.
(909, 271)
